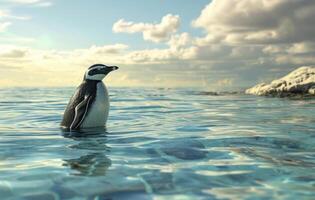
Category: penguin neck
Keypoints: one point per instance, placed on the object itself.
(92, 81)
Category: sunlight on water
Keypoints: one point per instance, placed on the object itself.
(159, 144)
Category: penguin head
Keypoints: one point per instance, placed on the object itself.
(98, 71)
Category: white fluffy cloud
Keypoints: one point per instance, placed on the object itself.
(108, 49)
(153, 32)
(158, 56)
(258, 21)
(53, 67)
(257, 37)
(16, 55)
(180, 40)
(244, 41)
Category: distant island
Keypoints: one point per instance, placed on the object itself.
(300, 82)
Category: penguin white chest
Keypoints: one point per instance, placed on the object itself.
(98, 111)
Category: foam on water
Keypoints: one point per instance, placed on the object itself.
(159, 144)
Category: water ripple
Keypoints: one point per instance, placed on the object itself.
(159, 144)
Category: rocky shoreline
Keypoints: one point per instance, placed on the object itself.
(298, 83)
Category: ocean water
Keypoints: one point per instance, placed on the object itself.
(158, 144)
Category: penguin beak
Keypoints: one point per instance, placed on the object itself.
(113, 68)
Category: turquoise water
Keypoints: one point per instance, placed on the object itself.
(159, 144)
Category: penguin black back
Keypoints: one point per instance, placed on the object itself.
(86, 88)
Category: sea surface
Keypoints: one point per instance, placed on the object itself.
(158, 144)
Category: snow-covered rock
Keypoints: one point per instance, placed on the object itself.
(300, 81)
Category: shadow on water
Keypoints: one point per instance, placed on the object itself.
(92, 143)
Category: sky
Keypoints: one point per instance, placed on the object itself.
(215, 45)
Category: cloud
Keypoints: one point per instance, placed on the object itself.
(37, 3)
(244, 42)
(53, 67)
(108, 49)
(43, 4)
(256, 37)
(258, 22)
(14, 53)
(4, 26)
(168, 55)
(5, 15)
(50, 58)
(179, 40)
(25, 1)
(301, 48)
(13, 39)
(152, 32)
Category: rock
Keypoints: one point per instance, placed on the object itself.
(299, 82)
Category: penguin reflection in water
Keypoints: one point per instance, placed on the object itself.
(89, 105)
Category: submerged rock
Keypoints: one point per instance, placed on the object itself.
(299, 82)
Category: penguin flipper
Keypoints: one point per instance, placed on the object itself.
(80, 112)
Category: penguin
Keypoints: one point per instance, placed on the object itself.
(89, 105)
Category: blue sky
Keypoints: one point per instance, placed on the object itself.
(213, 45)
(84, 23)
